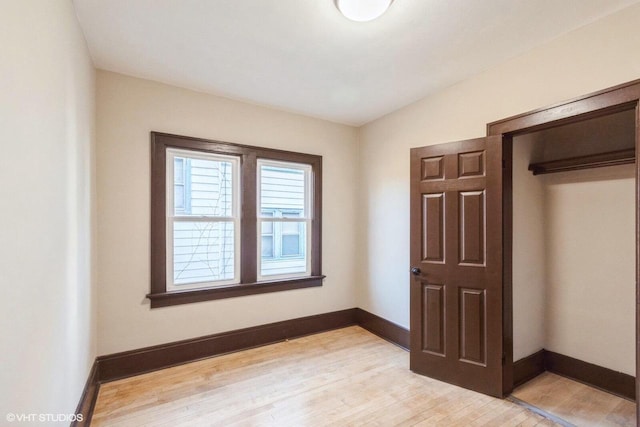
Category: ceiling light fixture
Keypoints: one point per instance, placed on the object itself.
(362, 10)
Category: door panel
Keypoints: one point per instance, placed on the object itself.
(432, 168)
(433, 309)
(433, 227)
(471, 164)
(456, 252)
(472, 227)
(473, 339)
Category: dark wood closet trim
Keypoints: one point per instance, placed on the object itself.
(507, 265)
(615, 99)
(614, 158)
(605, 379)
(528, 368)
(614, 382)
(619, 98)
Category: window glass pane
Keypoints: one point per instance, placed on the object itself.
(282, 188)
(267, 227)
(178, 197)
(290, 245)
(178, 183)
(291, 227)
(178, 171)
(203, 252)
(267, 240)
(289, 255)
(208, 187)
(267, 246)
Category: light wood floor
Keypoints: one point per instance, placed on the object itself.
(576, 403)
(343, 377)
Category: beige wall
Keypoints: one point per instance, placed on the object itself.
(48, 311)
(127, 110)
(590, 245)
(594, 57)
(529, 252)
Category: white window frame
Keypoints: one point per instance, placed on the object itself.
(172, 153)
(307, 218)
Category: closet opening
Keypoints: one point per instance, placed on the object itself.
(573, 266)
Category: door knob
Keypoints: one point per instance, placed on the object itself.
(415, 271)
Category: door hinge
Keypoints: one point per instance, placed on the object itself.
(504, 164)
(504, 358)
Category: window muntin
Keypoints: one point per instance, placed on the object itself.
(284, 202)
(267, 241)
(203, 220)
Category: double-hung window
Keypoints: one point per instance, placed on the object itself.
(203, 223)
(284, 222)
(229, 220)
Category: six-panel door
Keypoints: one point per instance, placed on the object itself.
(456, 256)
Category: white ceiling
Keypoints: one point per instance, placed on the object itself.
(303, 56)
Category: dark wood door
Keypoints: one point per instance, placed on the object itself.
(456, 263)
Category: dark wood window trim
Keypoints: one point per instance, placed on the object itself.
(249, 285)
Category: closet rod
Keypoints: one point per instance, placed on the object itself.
(613, 158)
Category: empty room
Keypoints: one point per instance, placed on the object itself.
(327, 212)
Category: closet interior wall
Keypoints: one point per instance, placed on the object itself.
(529, 259)
(574, 247)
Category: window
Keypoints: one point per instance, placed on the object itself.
(203, 219)
(229, 220)
(284, 200)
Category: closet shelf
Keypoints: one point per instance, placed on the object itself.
(613, 158)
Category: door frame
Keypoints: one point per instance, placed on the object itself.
(615, 99)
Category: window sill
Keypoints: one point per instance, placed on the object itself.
(166, 299)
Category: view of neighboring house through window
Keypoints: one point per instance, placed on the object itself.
(179, 179)
(203, 219)
(230, 220)
(285, 218)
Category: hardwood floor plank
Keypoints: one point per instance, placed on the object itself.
(345, 377)
(577, 403)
